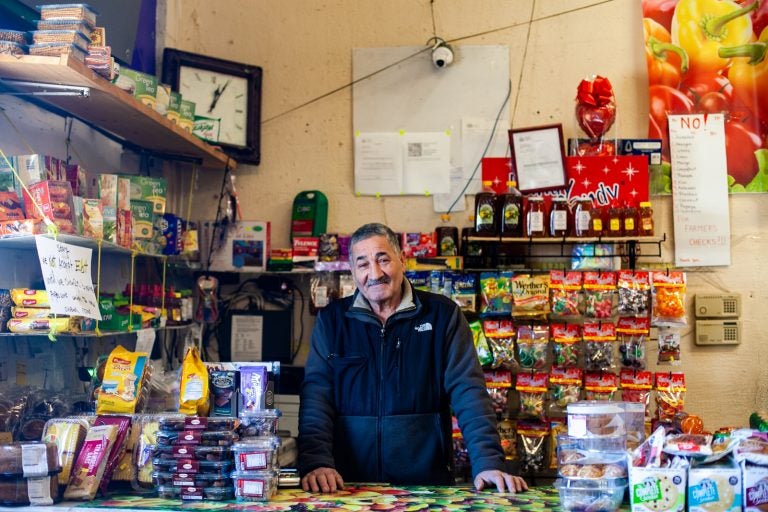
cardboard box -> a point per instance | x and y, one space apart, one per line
245 248
418 245
715 487
37 168
657 489
305 249
155 190
141 219
162 99
174 105
207 128
92 219
124 234
141 85
187 115
754 487
55 200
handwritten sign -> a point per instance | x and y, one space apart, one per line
700 190
67 275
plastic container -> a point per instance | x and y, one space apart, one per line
259 423
177 423
214 468
180 479
191 493
582 218
201 453
558 217
196 437
257 453
592 495
634 422
254 485
17 490
14 36
595 419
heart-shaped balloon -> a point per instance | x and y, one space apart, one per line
595 106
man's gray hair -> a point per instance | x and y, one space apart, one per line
374 229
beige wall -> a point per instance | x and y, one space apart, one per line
305 48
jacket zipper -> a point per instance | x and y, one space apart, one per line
380 392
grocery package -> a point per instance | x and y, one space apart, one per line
90 464
121 387
68 435
193 391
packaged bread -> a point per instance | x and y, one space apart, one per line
42 490
148 426
91 462
21 312
43 325
28 459
68 434
26 297
123 381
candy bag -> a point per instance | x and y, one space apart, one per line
532 437
532 388
498 384
600 385
668 290
632 335
501 339
566 388
481 344
669 345
495 296
599 339
599 291
636 387
634 293
670 394
532 343
567 344
530 294
564 294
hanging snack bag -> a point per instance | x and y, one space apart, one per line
634 293
532 387
532 345
564 288
481 344
636 387
567 344
670 394
532 438
90 463
565 388
599 291
632 333
495 298
193 389
464 294
669 345
600 386
668 290
599 338
530 295
508 437
123 381
501 339
498 383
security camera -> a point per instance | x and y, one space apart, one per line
442 55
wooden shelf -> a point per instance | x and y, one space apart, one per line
109 108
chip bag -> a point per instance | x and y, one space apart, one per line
193 392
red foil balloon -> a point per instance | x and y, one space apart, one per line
595 106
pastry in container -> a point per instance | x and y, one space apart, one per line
195 493
256 453
178 423
11 48
201 453
68 434
80 12
259 423
595 419
57 49
13 36
76 25
181 479
147 425
196 437
209 467
36 491
28 459
61 36
591 495
254 485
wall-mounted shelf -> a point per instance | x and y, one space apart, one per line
109 108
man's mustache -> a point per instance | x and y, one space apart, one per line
374 282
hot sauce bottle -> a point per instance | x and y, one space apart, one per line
511 211
534 219
613 219
597 221
558 217
582 221
630 220
645 219
486 210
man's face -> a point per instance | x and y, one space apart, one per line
377 269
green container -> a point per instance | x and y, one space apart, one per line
309 215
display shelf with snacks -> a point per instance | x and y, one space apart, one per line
106 107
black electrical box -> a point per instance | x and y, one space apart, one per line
272 330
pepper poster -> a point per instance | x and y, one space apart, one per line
710 56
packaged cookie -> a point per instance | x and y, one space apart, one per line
90 463
116 451
68 434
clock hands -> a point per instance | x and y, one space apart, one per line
217 94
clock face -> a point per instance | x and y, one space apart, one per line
218 95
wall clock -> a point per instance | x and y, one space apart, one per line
230 91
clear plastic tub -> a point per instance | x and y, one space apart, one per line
61 36
216 468
595 419
180 479
591 495
14 36
176 423
196 437
256 453
195 493
201 453
591 458
259 423
254 485
11 48
56 49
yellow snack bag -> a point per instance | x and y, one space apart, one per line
193 391
121 386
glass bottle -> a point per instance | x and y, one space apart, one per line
486 210
645 219
614 219
558 217
511 211
534 219
630 220
582 225
447 240
597 221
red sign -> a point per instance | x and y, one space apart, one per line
498 170
606 179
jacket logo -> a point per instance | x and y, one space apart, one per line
424 327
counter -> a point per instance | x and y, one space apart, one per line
358 498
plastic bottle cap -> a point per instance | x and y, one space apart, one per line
487 182
645 204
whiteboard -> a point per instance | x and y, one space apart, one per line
414 96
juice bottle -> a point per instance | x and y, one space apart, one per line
558 217
582 222
534 219
614 220
511 211
645 219
486 210
630 220
447 240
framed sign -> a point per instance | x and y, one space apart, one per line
224 90
538 157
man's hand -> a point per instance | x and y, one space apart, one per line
323 480
502 480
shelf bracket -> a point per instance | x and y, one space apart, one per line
46 89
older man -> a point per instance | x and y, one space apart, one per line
385 368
